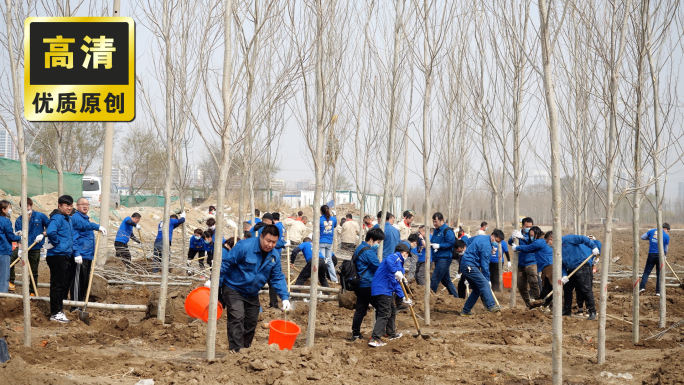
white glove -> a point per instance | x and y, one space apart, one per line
286 305
399 276
509 264
78 259
458 275
287 244
137 226
103 230
514 246
20 252
182 215
565 279
208 283
408 301
517 234
435 246
48 245
18 233
595 251
593 238
39 237
490 283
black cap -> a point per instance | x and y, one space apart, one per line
267 216
402 247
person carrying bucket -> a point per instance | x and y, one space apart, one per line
244 271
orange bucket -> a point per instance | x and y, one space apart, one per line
283 333
197 304
508 279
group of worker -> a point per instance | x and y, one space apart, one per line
252 262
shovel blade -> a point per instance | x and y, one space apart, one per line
423 336
84 316
681 285
537 303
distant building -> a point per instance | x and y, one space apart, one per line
278 184
7 148
119 176
195 176
539 178
305 185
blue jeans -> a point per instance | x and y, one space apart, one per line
478 286
4 273
326 249
441 275
652 261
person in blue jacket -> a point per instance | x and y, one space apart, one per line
541 247
7 236
573 257
527 269
38 222
475 269
208 245
244 271
384 288
653 259
578 294
442 242
328 223
419 251
306 248
196 248
392 235
269 219
84 249
497 255
367 263
174 221
60 257
123 235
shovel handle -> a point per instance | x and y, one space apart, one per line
413 314
92 271
672 270
18 259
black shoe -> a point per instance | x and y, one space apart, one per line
580 312
567 313
592 316
356 337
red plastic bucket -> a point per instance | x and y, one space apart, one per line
284 333
197 304
508 279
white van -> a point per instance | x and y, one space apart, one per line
92 190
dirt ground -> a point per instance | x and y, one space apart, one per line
510 347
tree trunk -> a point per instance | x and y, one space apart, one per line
21 149
552 110
319 164
223 176
170 146
58 159
610 176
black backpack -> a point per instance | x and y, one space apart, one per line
349 277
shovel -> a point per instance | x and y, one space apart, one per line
19 258
413 314
83 315
539 302
675 274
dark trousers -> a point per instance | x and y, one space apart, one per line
306 273
582 282
122 252
363 299
494 276
83 274
547 287
420 273
441 275
527 275
157 259
243 315
461 287
192 253
34 261
386 314
652 261
60 267
580 297
210 257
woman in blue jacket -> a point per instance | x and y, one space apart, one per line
543 253
328 224
7 236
